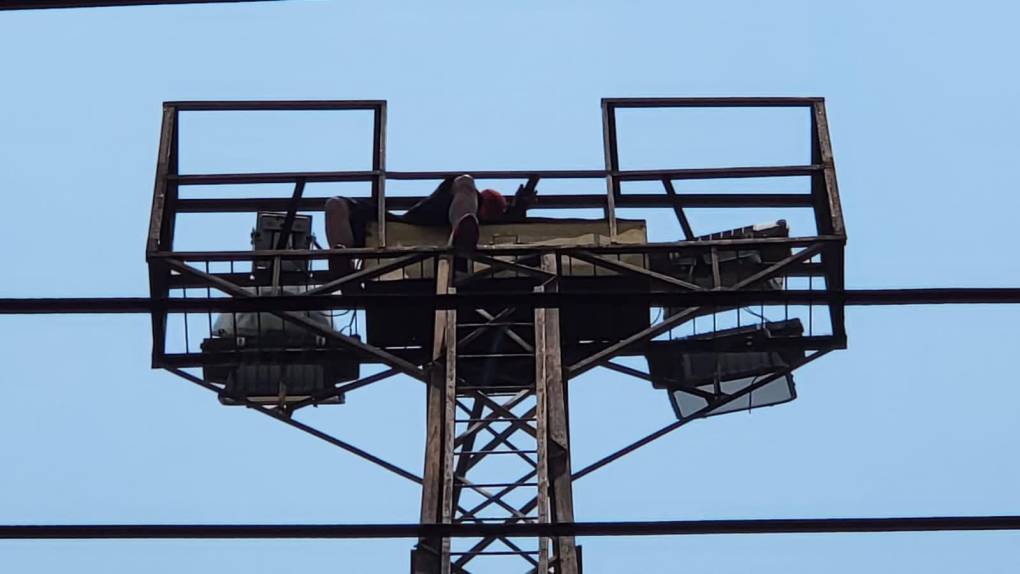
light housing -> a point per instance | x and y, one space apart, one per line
692 379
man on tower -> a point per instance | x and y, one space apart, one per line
455 202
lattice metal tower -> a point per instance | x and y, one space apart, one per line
496 333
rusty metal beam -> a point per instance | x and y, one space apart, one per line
551 201
725 102
286 419
687 247
711 406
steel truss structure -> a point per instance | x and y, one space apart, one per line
529 411
533 411
515 299
515 307
170 269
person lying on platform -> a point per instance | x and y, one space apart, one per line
455 202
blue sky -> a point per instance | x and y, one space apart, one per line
918 417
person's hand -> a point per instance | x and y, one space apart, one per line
524 198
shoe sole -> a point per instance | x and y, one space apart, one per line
465 235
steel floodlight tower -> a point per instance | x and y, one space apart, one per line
496 363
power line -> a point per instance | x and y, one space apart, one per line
463 530
852 297
43 4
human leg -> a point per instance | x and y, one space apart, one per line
463 213
453 203
347 220
339 231
434 209
463 199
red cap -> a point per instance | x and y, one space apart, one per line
491 205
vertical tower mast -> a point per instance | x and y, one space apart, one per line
497 453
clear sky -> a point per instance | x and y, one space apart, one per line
918 417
